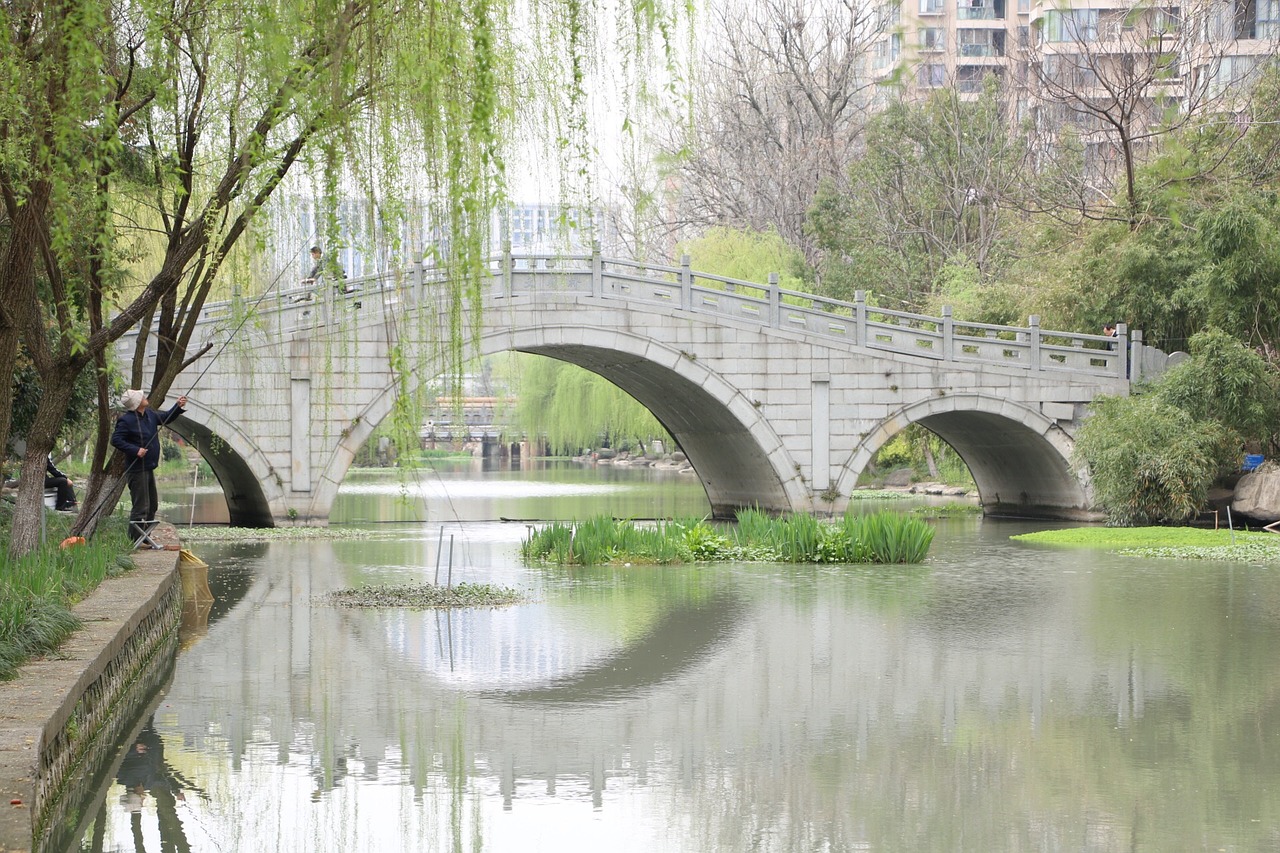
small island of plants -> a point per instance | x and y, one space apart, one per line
883 537
1187 543
426 596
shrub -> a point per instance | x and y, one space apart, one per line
1148 461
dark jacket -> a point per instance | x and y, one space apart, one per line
50 472
142 429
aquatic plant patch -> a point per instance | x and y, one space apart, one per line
269 534
1177 542
427 596
884 537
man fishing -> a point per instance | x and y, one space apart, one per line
137 436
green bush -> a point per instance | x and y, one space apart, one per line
1227 382
1149 461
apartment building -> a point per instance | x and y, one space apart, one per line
1181 51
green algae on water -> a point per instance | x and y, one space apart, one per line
1186 543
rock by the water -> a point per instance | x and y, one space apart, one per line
899 478
1258 494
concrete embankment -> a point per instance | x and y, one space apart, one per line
63 713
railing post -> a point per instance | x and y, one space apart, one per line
1034 322
775 298
417 279
1122 350
948 334
597 270
686 283
506 268
860 317
1136 356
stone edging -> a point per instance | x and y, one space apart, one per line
61 709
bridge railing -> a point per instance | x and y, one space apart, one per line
681 288
857 322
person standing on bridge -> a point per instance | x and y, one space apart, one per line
137 436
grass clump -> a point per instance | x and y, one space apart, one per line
1191 543
884 537
38 590
427 596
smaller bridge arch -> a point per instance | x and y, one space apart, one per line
239 465
1019 458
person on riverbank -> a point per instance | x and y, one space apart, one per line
137 436
55 479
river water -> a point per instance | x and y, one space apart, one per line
998 697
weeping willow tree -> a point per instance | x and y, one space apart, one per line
131 123
576 409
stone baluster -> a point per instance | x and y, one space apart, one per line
1034 321
775 299
686 283
597 270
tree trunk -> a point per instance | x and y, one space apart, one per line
17 293
24 536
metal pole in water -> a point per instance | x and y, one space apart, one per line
439 548
194 480
449 585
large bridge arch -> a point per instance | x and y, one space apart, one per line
1019 458
739 459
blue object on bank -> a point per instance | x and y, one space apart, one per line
1251 461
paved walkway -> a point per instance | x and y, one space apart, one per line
37 704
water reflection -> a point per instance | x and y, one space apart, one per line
996 698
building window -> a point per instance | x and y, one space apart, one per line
980 10
931 7
969 77
1268 26
933 39
931 75
1078 25
981 42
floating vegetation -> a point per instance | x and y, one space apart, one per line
948 510
427 596
269 534
883 537
879 495
1184 543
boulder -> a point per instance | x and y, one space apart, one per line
899 478
1257 494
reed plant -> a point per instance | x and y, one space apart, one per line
889 537
885 537
38 590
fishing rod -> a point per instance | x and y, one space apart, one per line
113 493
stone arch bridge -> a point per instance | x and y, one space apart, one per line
779 399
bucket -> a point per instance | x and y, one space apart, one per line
1251 461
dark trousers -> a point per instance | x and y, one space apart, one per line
66 494
142 491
